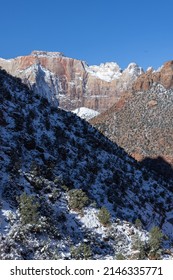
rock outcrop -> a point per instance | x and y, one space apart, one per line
163 76
71 82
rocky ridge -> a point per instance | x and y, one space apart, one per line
71 82
141 123
163 76
58 174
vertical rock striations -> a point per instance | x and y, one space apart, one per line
71 82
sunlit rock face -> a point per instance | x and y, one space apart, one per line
71 83
163 76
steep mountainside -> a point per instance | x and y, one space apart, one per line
163 76
72 82
142 124
68 192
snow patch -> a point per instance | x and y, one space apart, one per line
105 71
45 53
85 113
134 69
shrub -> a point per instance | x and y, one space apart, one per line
49 251
77 199
55 194
82 252
104 216
120 256
138 224
28 209
139 245
155 241
35 169
65 188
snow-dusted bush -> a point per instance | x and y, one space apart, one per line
82 252
139 247
77 199
104 216
155 241
120 256
138 223
28 209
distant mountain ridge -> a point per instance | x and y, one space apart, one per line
71 83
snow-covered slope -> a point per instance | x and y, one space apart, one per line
58 176
85 113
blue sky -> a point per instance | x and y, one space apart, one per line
95 31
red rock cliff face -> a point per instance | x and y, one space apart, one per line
71 81
163 76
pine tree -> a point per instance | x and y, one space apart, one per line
28 209
155 241
120 256
78 199
138 223
104 216
82 252
139 245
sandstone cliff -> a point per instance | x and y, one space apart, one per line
71 82
163 76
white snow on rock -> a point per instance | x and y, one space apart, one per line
45 53
150 68
159 69
105 71
134 69
110 71
85 113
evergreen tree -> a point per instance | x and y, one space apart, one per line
155 241
78 199
28 209
139 245
120 256
104 216
138 223
82 252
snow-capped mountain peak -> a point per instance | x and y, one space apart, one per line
134 69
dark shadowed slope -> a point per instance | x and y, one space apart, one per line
56 172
